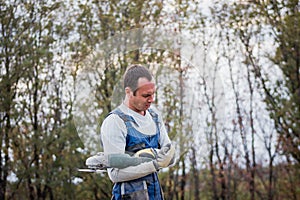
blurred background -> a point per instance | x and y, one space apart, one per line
234 115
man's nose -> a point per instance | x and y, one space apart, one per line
151 98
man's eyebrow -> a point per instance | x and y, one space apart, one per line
134 91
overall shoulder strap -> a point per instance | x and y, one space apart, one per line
154 115
155 119
126 118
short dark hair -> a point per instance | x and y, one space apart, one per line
133 74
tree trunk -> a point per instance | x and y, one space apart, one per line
195 175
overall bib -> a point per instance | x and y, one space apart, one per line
147 187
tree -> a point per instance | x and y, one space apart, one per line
278 20
38 133
18 39
283 100
284 105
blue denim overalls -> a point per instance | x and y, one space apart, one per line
147 187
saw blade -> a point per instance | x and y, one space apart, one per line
92 170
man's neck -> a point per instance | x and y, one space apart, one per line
141 112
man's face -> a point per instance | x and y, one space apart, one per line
144 96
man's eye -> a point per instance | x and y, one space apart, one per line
146 95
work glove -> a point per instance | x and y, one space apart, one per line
119 160
146 153
98 161
164 156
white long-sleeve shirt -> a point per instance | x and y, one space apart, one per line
113 137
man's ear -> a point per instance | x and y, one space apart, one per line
127 90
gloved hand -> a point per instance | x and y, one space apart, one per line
164 156
119 160
147 153
98 161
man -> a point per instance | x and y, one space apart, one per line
134 126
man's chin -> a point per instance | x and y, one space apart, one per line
147 106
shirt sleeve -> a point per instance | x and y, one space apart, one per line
164 137
131 173
113 135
